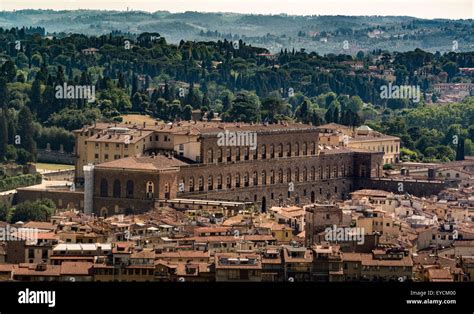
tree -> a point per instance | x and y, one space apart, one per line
245 108
187 112
273 109
40 210
8 71
4 212
35 96
3 118
460 149
3 135
304 111
451 68
26 132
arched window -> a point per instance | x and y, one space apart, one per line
280 175
305 149
201 183
129 192
264 177
264 152
104 188
219 155
246 179
280 150
255 152
272 177
210 156
334 171
167 191
237 180
237 153
191 184
229 181
297 149
305 174
246 153
272 151
255 178
313 173
313 148
343 170
288 149
288 175
297 174
320 172
150 189
117 188
210 183
229 154
219 182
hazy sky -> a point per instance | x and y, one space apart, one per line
455 9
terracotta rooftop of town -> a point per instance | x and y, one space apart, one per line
26 269
368 192
39 225
132 136
440 275
183 254
158 162
202 127
368 260
76 268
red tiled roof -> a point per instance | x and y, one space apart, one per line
142 163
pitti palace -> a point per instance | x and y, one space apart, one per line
128 168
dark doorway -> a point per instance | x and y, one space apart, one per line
313 198
264 204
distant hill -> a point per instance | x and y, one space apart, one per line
323 34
